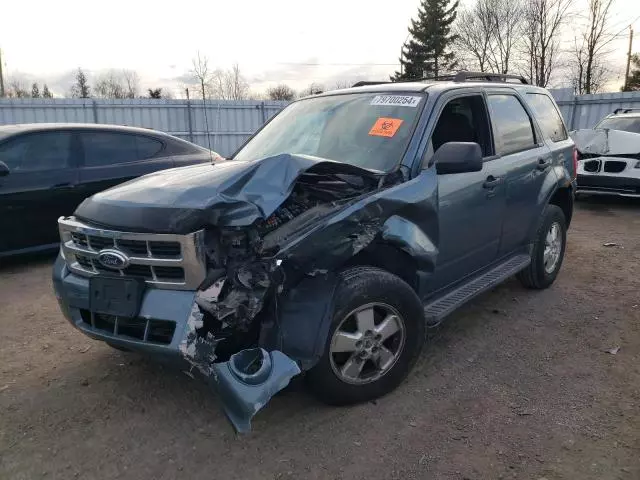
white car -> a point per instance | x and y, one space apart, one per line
609 155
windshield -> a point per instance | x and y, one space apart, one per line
367 130
626 124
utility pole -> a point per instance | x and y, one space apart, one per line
1 77
626 75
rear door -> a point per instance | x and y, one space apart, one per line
39 188
526 161
110 158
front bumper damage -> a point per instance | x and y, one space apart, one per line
245 383
275 235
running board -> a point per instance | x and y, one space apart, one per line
436 310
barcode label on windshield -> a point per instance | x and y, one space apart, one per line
396 100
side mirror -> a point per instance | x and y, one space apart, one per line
4 169
458 157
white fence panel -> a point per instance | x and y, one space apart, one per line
229 123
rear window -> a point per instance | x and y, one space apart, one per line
626 124
548 116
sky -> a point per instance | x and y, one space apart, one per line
292 41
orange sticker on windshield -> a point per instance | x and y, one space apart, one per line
385 127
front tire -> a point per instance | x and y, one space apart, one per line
376 335
548 250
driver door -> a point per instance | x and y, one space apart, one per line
472 204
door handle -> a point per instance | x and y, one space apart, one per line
543 164
492 182
63 186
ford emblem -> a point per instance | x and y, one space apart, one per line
113 259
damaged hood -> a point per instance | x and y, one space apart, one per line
606 142
230 193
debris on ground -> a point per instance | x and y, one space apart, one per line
613 351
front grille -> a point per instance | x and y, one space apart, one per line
163 260
612 166
592 166
147 330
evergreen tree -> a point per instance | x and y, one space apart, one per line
35 91
81 88
633 82
427 53
45 92
155 92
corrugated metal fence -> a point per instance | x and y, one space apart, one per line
584 111
229 123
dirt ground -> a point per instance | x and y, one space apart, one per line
518 384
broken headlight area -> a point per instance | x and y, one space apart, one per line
244 279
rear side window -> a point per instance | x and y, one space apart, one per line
548 116
111 148
38 151
511 124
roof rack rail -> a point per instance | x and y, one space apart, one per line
366 83
625 110
461 76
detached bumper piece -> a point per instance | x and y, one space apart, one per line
248 381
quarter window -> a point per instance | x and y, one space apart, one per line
548 117
38 151
511 123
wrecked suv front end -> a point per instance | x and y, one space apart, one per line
230 269
202 299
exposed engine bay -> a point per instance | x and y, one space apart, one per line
242 269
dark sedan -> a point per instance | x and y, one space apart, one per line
46 170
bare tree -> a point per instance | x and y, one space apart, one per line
109 84
313 89
508 25
340 84
17 88
486 34
543 20
237 87
474 32
589 70
131 83
203 74
281 92
229 84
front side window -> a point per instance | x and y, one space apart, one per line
463 119
511 123
548 116
626 124
38 151
368 130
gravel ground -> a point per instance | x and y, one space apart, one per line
518 384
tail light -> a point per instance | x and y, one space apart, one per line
575 162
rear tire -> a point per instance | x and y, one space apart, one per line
548 250
376 335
